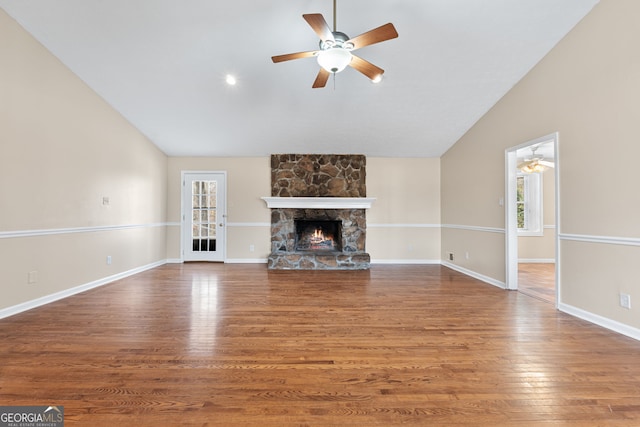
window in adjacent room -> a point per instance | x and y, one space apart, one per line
529 204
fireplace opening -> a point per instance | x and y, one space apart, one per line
318 235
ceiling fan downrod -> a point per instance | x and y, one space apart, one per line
335 26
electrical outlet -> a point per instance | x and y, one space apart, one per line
466 255
450 256
625 301
32 277
252 248
108 259
105 201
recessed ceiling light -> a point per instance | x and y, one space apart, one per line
231 80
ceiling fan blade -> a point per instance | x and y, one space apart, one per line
366 67
290 56
319 25
377 35
321 78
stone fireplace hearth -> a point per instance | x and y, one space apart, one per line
318 216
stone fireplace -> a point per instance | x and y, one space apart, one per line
318 212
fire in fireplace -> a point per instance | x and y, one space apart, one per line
318 235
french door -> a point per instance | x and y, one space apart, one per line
203 216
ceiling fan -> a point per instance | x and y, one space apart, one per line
535 163
336 49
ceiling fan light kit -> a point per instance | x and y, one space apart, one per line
335 59
536 164
336 47
533 167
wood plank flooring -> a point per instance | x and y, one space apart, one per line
538 280
238 345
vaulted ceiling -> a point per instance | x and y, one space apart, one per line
162 64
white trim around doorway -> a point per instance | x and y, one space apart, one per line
511 228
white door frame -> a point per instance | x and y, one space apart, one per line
511 251
221 223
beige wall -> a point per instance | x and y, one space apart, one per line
586 88
248 218
404 221
63 149
403 224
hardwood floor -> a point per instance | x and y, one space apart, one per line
237 345
538 280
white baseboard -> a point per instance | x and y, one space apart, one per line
245 261
19 308
405 261
475 275
612 325
226 261
537 260
377 261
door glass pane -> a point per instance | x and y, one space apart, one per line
203 214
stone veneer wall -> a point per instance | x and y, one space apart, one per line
318 175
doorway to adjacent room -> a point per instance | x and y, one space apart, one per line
532 213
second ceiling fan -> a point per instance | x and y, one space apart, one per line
336 48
